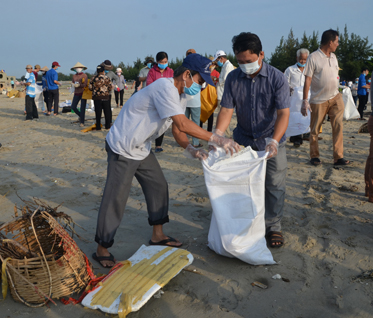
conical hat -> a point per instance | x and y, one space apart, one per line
78 65
45 69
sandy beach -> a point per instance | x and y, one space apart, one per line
327 224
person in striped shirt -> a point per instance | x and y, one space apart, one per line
31 110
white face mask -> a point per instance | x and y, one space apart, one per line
78 69
250 68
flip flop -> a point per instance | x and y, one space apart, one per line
164 242
99 259
315 161
274 237
342 162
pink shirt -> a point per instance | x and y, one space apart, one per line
155 74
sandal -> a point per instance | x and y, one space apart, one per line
315 161
342 162
198 146
99 259
165 242
274 237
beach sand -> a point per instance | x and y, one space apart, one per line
327 224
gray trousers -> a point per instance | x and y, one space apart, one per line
275 187
120 173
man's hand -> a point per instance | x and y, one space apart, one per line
271 147
227 144
305 107
191 152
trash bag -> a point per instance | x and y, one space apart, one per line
350 108
298 124
236 187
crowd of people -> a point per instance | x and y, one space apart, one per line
256 92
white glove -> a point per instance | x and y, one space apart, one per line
77 85
191 153
219 133
271 147
305 107
228 145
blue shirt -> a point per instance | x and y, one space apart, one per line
30 89
362 82
51 77
256 101
44 81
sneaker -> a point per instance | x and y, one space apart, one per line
157 150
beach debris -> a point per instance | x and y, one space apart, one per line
277 276
363 129
363 276
158 294
352 188
286 280
192 271
259 284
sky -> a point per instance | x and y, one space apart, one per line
91 31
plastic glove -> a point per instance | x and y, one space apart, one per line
227 144
219 133
76 85
191 153
271 147
305 107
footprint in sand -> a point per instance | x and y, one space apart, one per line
229 295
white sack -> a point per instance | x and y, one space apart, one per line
298 124
350 108
236 189
39 98
72 89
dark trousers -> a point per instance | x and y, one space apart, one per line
102 105
117 95
159 140
298 138
53 96
210 123
355 99
46 98
120 173
74 107
362 103
369 164
31 109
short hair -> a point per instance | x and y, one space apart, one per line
161 55
364 68
181 69
246 41
302 51
329 35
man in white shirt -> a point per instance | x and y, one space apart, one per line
226 67
322 77
295 77
143 118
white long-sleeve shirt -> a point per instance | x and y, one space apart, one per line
294 76
225 70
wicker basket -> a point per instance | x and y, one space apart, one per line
42 259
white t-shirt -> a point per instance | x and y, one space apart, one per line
193 101
144 117
225 70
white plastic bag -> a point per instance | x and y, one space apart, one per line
298 124
350 108
72 89
236 190
39 98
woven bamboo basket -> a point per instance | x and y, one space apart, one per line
42 259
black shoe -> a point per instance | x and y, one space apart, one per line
297 144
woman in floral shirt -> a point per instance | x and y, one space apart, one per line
101 86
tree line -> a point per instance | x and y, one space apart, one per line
353 53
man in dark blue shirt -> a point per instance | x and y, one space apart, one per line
362 91
260 95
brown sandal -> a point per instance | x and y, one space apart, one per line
274 237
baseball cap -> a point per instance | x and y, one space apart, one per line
56 64
100 68
190 51
28 66
200 64
218 54
37 66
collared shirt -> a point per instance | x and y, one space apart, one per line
324 72
294 76
225 70
256 101
144 73
51 77
144 117
362 82
30 90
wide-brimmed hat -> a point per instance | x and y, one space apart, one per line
107 64
37 66
78 65
44 69
119 70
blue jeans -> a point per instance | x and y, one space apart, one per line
74 107
195 113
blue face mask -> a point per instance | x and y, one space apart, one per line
369 81
56 69
162 66
356 82
149 65
194 89
301 65
106 71
220 64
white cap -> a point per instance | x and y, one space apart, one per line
218 54
119 70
